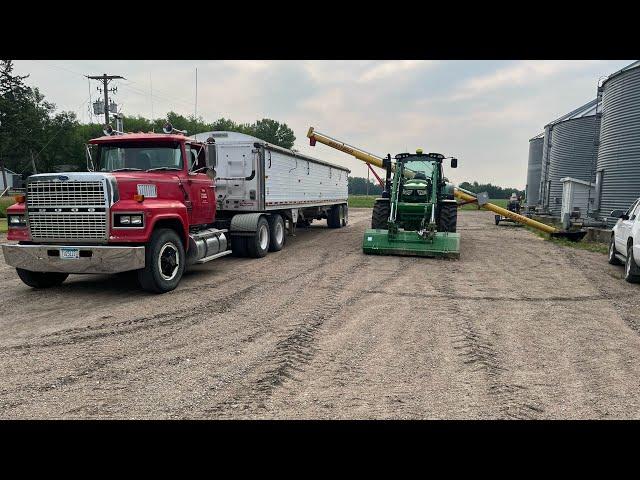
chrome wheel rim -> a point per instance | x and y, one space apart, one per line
627 266
279 233
168 261
611 251
263 237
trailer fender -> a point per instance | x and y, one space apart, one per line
244 223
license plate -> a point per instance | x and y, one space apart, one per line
69 253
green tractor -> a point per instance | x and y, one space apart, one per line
417 213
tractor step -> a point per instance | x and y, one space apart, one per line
409 243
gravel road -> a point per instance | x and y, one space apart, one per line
516 328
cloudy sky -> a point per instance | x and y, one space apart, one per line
482 112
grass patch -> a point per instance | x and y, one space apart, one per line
4 203
362 201
3 225
581 245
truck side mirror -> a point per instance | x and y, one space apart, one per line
454 163
212 160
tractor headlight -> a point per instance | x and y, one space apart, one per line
16 221
421 192
128 220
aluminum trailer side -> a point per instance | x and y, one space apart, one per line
253 176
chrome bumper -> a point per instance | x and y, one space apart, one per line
45 258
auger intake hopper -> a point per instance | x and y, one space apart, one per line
409 243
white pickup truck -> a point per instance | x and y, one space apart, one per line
624 247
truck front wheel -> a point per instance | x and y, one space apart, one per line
41 279
258 244
164 262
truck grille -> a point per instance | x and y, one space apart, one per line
65 194
51 215
72 226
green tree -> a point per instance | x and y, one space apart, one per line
358 186
273 132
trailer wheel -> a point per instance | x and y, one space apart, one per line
631 269
448 218
41 279
613 260
277 237
497 218
380 214
258 244
345 214
334 219
164 262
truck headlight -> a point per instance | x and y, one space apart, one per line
16 221
135 220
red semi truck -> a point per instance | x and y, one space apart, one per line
157 203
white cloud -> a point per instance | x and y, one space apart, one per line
519 74
383 70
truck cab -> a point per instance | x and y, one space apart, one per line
146 203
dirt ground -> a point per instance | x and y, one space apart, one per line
516 328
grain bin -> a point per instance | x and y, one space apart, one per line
618 165
534 170
571 150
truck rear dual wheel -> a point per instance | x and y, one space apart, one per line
277 235
380 214
256 245
41 279
164 262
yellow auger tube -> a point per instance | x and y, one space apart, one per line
343 147
507 213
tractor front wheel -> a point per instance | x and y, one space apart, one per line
380 215
448 218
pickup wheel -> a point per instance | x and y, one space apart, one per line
613 260
164 262
258 244
277 237
41 279
631 269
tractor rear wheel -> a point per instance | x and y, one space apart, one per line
448 218
380 215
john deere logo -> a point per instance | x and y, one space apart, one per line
63 178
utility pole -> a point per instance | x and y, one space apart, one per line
105 79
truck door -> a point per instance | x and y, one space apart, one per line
200 186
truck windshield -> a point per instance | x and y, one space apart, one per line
113 157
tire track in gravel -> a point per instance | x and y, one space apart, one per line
479 354
287 359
